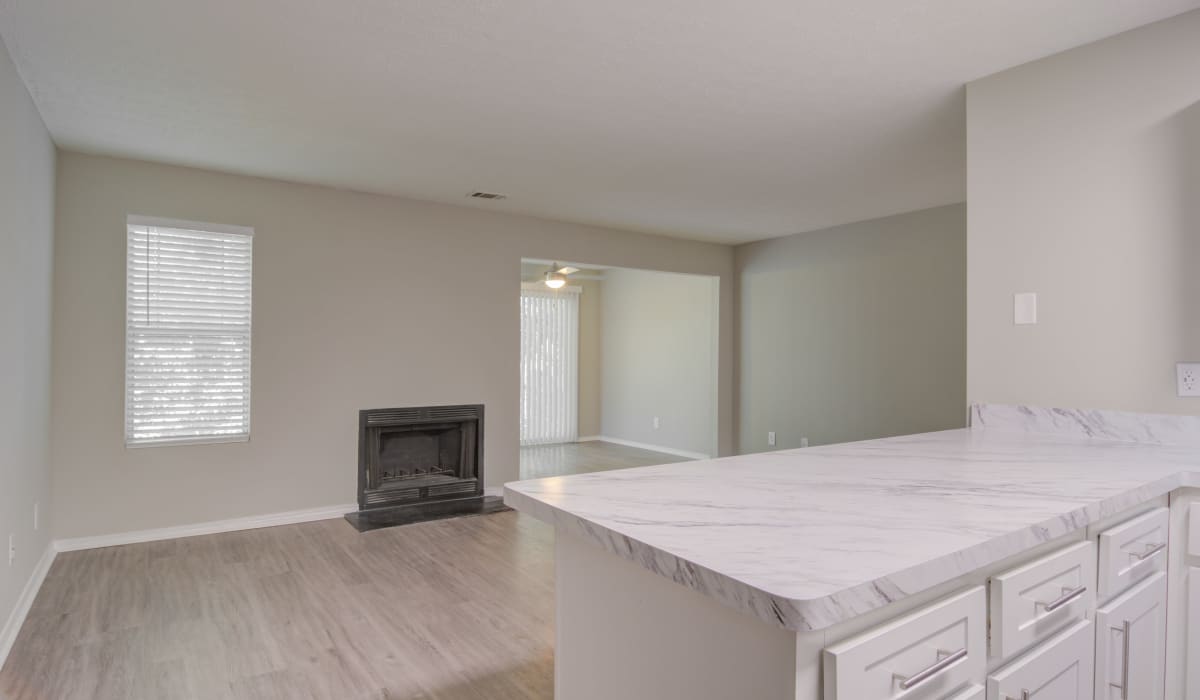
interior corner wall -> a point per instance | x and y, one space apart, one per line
27 162
659 359
360 301
853 332
1083 181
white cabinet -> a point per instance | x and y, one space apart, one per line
1058 669
1193 632
975 692
1130 643
1048 640
1133 551
1183 597
928 654
1033 601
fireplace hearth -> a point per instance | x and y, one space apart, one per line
420 463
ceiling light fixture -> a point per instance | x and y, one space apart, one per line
555 279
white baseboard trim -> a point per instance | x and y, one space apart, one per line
8 633
209 528
646 446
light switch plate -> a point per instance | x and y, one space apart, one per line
1025 308
1187 379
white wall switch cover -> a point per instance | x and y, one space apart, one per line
771 438
1187 377
804 442
1025 308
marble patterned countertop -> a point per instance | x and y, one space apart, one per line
808 538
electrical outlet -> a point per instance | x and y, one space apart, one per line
12 549
1187 378
771 439
656 423
804 442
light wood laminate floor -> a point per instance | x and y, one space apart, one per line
456 609
539 461
449 610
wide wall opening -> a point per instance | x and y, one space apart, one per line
618 367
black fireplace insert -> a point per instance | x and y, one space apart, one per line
410 456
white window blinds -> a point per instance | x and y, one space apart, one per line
549 366
187 332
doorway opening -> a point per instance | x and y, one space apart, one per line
618 367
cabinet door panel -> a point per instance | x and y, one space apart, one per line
1058 669
1130 640
1193 629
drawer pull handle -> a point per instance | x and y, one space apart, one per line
941 665
1151 551
1068 595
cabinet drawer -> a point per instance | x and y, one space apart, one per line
1059 669
929 654
1133 551
1036 600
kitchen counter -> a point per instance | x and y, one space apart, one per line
805 539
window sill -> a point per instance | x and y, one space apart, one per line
172 442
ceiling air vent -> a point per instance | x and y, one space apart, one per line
488 195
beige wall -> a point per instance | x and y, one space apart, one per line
359 301
853 332
1084 187
591 331
26 245
659 359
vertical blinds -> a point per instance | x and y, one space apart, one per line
187 338
549 366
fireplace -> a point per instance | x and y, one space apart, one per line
420 455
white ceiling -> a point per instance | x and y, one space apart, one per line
723 120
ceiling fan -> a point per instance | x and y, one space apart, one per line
556 276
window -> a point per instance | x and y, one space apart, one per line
187 332
549 365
